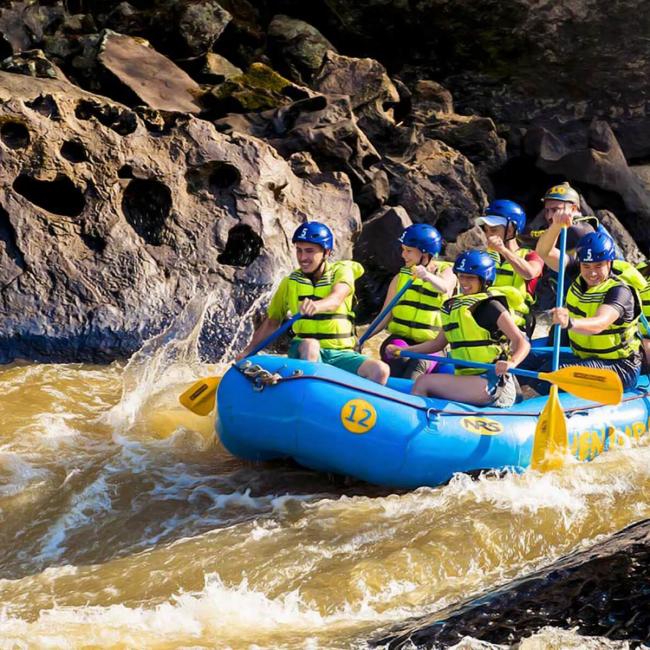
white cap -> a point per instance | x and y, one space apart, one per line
491 220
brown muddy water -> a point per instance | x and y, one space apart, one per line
124 524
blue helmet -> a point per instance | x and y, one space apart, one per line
423 237
504 212
596 247
314 232
475 262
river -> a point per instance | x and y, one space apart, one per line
124 524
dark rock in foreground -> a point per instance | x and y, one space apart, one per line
603 591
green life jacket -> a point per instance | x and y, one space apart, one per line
507 277
417 314
615 342
467 339
334 330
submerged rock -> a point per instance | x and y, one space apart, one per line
602 591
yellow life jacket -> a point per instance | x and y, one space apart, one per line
507 277
417 314
467 339
334 330
615 342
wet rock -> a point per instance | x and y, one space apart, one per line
107 230
150 76
600 592
298 47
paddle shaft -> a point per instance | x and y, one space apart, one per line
371 329
271 337
466 364
559 299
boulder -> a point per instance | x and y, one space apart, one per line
33 63
326 128
372 94
107 231
150 76
438 185
297 47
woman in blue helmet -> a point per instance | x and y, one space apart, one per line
516 266
602 313
477 326
322 291
416 317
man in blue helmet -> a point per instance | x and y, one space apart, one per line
602 312
477 326
516 266
322 291
416 317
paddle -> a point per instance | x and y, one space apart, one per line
551 442
200 396
594 384
371 328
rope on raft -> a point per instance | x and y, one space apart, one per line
262 377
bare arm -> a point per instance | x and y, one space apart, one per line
443 282
431 346
528 270
605 316
546 246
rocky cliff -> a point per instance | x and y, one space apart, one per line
153 151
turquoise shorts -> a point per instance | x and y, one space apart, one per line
347 359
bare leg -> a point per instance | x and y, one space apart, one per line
309 350
376 371
460 388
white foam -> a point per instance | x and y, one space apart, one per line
17 474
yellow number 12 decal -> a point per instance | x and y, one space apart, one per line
358 416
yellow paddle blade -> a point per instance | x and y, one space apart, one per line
551 443
594 384
200 396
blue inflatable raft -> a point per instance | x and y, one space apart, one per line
330 420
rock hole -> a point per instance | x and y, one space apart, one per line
223 176
242 248
5 48
146 205
94 242
15 135
125 171
8 237
369 160
45 105
74 151
121 121
60 196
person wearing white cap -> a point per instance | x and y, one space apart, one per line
516 266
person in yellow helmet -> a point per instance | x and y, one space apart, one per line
416 316
322 292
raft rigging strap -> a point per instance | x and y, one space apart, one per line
262 378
